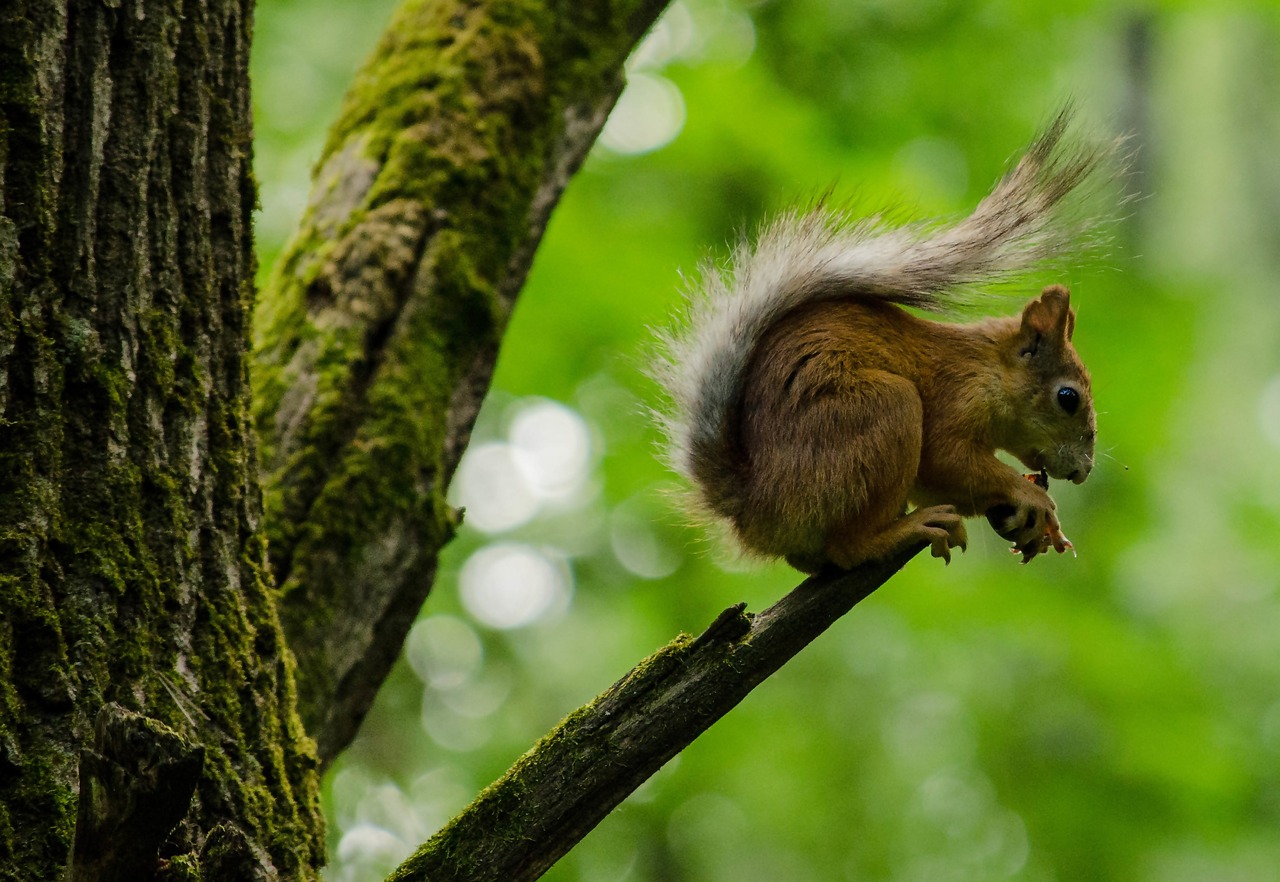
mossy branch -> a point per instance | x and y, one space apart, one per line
377 334
566 784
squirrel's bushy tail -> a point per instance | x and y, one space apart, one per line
822 254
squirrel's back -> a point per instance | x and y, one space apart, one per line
823 254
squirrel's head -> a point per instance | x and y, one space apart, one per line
1054 425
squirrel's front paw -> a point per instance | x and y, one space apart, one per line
1031 524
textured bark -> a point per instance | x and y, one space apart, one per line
565 785
378 332
136 783
132 564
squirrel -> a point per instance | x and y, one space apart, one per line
810 407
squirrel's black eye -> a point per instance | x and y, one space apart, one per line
1069 399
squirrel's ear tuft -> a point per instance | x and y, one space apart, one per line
1047 320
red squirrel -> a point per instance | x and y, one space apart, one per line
809 407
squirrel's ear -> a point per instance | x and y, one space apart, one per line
1047 321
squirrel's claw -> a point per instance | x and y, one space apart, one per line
1016 519
1053 538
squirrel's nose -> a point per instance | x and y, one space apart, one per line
1078 476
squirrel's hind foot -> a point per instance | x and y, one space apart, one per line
939 526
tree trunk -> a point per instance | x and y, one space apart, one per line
132 560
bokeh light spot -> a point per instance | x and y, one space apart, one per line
551 444
638 547
510 585
491 486
1269 410
444 651
649 114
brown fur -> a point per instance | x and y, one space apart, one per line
852 408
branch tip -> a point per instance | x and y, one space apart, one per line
730 626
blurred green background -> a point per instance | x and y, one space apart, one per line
1114 716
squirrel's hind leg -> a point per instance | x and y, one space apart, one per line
834 461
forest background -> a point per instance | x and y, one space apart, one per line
1110 716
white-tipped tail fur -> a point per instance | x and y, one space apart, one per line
823 254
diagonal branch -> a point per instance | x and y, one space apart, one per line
377 334
565 785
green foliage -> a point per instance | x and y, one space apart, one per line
1112 716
